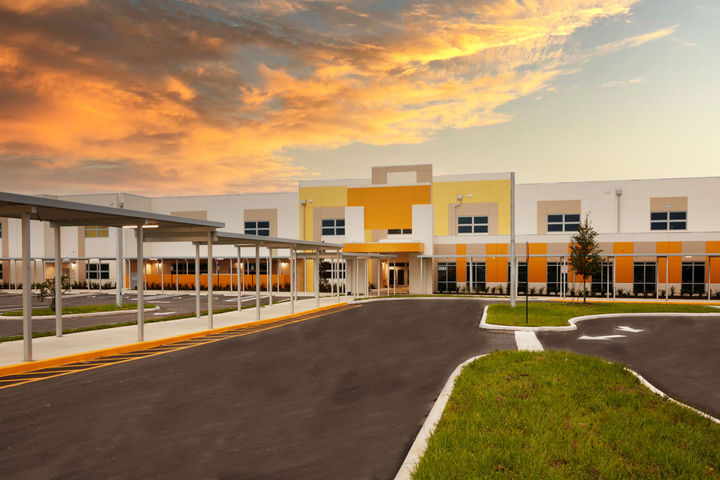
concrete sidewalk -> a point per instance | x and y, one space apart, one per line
11 353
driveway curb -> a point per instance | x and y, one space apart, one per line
93 354
575 320
419 446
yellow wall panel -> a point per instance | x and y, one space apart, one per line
388 207
483 191
335 196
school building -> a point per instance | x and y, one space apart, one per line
441 233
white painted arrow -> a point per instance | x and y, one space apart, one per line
601 337
628 329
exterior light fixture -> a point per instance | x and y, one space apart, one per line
144 226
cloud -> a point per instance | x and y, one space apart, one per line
635 41
194 96
623 83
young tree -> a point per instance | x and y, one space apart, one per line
47 289
585 253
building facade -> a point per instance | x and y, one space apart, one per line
444 234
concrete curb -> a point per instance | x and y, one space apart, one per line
78 315
575 320
130 347
419 446
388 299
417 450
656 390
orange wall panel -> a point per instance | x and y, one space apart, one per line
623 265
675 269
537 266
388 207
496 268
461 249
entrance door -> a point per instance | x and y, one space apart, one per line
401 276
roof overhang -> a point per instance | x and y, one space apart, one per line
384 247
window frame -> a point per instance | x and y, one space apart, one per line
97 231
97 271
255 227
663 221
399 231
477 225
332 227
562 224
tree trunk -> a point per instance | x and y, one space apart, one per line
584 291
52 304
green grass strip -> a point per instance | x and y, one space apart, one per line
559 415
79 309
555 314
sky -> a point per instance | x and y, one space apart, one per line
171 97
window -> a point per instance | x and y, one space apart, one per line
93 231
478 276
400 231
603 281
569 222
644 277
184 268
250 267
446 274
333 226
97 271
555 277
261 228
0 230
522 276
331 269
668 221
693 278
1 272
472 224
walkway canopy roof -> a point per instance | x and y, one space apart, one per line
243 240
64 213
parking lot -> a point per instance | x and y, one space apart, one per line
169 304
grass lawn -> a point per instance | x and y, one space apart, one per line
80 309
555 314
562 415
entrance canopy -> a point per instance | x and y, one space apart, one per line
61 213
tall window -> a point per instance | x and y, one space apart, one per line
693 278
644 277
97 271
250 267
0 230
569 222
472 224
260 227
478 275
184 268
333 226
399 231
603 281
522 276
668 221
93 231
333 270
446 274
555 277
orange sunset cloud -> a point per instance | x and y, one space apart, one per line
207 96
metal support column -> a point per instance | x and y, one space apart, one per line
316 275
197 280
58 284
337 264
709 283
162 275
239 294
140 285
357 279
422 276
257 282
394 277
118 266
269 276
27 289
211 272
667 277
513 264
292 280
614 276
177 275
